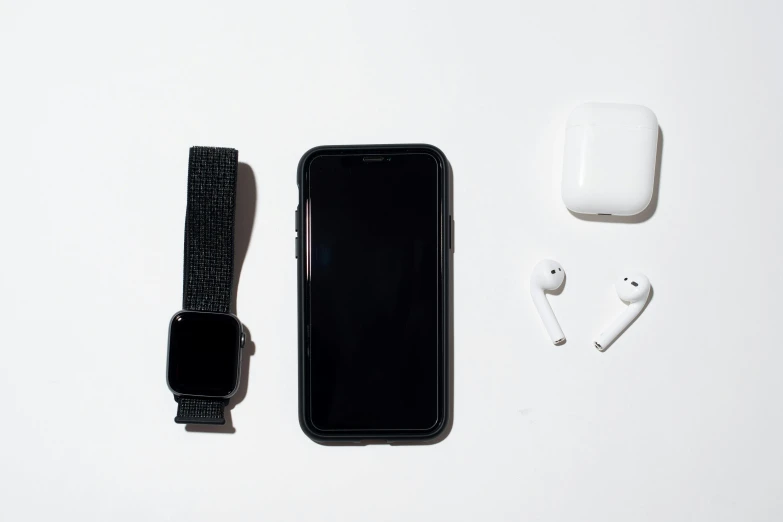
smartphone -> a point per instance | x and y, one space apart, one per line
374 250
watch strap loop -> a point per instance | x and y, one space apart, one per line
200 410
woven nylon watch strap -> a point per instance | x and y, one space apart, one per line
209 255
200 410
209 229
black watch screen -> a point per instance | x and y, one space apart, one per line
204 354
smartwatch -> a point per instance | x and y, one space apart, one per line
205 339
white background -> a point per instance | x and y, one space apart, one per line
680 420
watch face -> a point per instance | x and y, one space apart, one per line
204 354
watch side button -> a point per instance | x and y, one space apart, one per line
242 340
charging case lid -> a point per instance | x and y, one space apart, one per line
609 162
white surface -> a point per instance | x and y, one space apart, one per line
681 419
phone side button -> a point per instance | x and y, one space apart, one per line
296 220
451 233
296 247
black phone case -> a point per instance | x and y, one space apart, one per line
445 385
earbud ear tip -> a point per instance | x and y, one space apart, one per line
632 288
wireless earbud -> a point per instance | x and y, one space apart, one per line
634 290
547 275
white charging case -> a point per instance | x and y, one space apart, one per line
609 163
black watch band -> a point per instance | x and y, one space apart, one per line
209 230
200 410
209 255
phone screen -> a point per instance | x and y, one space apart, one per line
374 286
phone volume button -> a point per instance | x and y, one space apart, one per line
451 233
296 247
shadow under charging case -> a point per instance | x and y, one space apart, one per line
609 163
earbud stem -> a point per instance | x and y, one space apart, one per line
547 316
623 321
